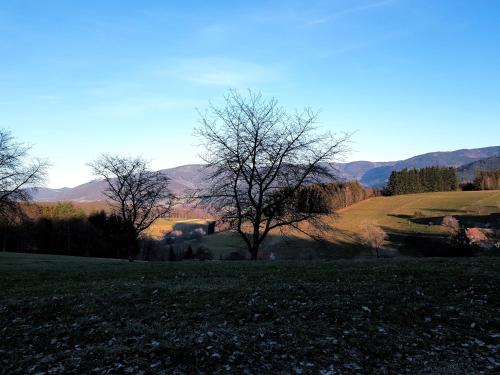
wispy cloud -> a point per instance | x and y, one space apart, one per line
352 10
224 72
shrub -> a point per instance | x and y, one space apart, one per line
175 234
373 236
468 186
197 234
418 214
451 225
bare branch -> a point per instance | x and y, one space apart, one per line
259 157
139 195
19 175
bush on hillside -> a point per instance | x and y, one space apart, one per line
373 236
451 225
197 234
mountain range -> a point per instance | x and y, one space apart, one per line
374 174
469 171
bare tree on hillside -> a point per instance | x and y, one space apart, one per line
373 236
138 195
259 157
19 175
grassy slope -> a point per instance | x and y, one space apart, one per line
394 214
163 226
75 315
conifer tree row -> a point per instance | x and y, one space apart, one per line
326 198
410 181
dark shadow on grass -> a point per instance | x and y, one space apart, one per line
443 210
427 244
285 247
492 220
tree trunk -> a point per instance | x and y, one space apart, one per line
133 246
254 250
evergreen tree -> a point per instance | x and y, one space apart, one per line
410 181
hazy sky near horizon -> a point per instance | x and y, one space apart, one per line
78 78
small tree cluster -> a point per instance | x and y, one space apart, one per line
487 180
326 198
64 229
410 181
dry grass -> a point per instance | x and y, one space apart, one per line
164 226
70 315
411 215
397 213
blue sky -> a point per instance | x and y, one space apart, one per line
78 78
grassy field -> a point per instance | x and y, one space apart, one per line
62 315
414 212
402 217
163 226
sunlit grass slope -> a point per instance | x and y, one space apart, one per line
409 215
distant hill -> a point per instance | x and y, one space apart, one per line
469 171
368 173
379 176
357 169
182 178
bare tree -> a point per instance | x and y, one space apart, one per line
373 236
452 225
138 195
19 175
259 157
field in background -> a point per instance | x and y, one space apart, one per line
403 217
417 213
181 218
163 226
62 315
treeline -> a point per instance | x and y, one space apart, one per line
326 198
487 180
64 229
410 181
